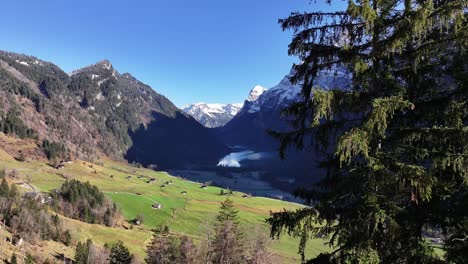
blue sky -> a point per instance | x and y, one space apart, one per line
188 50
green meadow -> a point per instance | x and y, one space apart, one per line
186 207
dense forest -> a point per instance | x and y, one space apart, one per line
84 202
11 124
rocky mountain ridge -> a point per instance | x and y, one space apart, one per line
212 115
97 111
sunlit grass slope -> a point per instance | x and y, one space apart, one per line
185 206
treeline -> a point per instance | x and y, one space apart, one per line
224 241
20 88
53 150
84 202
28 218
115 253
12 124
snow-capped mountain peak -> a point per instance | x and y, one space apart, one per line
255 93
285 93
212 115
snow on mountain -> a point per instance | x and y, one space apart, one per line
249 127
285 93
255 93
212 115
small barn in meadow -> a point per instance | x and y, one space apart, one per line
151 181
156 206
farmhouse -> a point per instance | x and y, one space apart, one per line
156 206
151 181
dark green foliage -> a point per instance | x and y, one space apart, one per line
228 212
13 259
19 88
50 86
29 259
161 229
53 150
82 252
4 188
395 139
66 238
84 202
13 125
228 244
119 254
225 192
27 217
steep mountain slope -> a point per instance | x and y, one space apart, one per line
262 111
93 110
212 115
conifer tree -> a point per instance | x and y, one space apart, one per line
4 188
82 252
395 139
227 212
228 239
119 254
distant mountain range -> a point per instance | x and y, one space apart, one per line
96 110
218 115
212 115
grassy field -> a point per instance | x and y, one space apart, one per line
183 213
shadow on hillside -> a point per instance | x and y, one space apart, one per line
174 142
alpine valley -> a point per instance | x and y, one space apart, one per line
97 128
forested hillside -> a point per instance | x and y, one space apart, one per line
94 111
